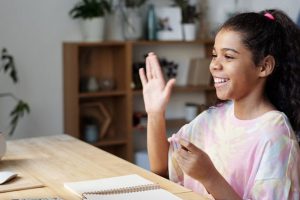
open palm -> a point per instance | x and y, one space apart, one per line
155 91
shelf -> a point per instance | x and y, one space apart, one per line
142 43
176 42
108 110
184 89
96 44
87 95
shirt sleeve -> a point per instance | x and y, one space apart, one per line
278 175
187 132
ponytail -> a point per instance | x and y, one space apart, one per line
286 97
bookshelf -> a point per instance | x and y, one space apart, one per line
113 108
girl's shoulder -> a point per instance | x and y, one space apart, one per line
277 127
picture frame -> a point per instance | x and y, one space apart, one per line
169 23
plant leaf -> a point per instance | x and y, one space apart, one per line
9 65
20 109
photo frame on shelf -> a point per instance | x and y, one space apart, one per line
169 23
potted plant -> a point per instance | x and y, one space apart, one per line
189 16
133 26
21 107
91 13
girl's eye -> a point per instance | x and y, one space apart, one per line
213 55
228 57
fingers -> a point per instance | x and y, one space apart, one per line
169 87
148 69
143 77
184 157
183 153
154 66
187 145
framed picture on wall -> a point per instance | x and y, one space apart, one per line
169 23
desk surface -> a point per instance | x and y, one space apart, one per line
57 159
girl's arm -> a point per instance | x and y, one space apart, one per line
156 95
197 164
157 144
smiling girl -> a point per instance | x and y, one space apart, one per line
244 147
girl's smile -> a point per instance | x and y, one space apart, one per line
219 82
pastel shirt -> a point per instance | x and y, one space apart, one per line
259 158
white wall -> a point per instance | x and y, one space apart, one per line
33 31
218 10
291 7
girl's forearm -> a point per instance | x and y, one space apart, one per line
219 188
157 144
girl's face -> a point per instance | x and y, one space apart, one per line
234 72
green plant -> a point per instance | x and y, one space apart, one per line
188 12
87 9
134 3
8 66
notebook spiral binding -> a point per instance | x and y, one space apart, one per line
139 188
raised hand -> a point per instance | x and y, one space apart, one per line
155 91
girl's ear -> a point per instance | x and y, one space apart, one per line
266 66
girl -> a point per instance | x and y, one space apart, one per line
244 147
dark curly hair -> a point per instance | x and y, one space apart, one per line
279 37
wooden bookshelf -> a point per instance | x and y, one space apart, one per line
109 108
110 60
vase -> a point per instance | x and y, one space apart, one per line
114 29
189 31
151 23
92 29
2 145
91 133
132 26
92 84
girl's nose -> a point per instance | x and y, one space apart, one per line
215 65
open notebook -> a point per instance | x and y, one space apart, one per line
129 187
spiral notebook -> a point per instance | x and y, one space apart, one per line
129 187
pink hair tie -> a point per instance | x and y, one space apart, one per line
269 15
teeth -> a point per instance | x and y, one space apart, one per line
220 80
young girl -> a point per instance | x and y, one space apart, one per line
245 147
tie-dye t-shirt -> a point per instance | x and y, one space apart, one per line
259 158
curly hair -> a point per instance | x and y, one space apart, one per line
279 37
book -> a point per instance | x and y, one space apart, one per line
198 73
129 187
